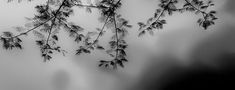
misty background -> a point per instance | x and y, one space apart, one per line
155 62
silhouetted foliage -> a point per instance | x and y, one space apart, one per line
169 7
52 17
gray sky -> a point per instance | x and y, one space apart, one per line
175 45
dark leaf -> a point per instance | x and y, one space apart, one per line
100 47
55 37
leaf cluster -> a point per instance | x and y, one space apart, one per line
9 42
169 7
52 17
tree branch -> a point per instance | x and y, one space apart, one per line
50 30
89 6
195 7
118 2
69 27
106 21
26 32
102 29
51 27
202 12
159 16
53 21
116 34
100 33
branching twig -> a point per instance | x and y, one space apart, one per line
202 12
51 27
102 29
53 21
100 33
68 26
25 33
159 16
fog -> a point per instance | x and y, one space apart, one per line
182 56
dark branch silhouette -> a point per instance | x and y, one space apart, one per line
48 20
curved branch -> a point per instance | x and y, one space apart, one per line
25 33
69 26
100 33
202 12
159 16
102 29
195 7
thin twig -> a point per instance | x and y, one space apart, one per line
160 15
51 27
69 27
118 2
89 6
102 29
194 7
25 33
116 34
202 12
53 21
50 30
100 33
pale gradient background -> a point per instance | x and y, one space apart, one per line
180 44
